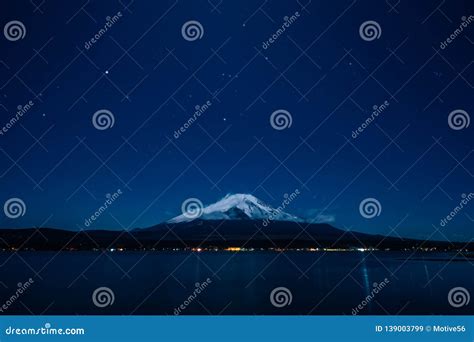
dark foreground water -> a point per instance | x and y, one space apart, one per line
241 283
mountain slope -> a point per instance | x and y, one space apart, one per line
238 207
214 234
238 220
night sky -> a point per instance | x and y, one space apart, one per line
319 70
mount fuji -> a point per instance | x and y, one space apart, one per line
237 220
238 207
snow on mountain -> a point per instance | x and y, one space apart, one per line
238 207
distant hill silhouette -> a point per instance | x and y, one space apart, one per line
213 233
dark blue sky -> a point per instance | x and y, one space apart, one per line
320 70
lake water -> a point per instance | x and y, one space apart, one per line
241 283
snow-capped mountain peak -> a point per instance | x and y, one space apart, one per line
237 207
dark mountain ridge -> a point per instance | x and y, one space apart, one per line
219 234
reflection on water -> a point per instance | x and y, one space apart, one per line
158 282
